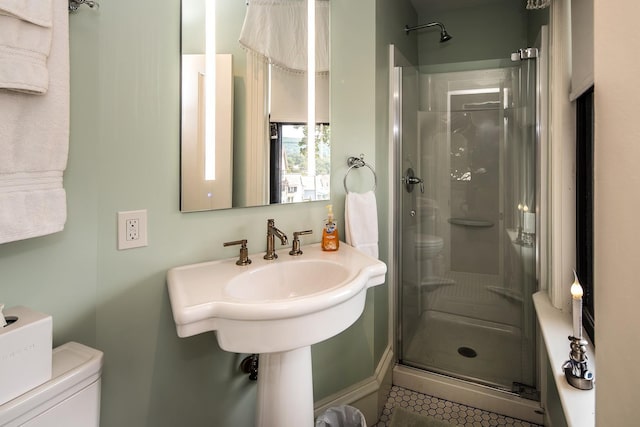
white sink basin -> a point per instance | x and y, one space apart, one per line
288 280
273 306
277 308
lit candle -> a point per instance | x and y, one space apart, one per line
529 223
520 216
576 294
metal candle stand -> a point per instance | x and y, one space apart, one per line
528 239
575 369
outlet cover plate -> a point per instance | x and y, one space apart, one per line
140 216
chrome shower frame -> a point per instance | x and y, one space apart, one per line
473 394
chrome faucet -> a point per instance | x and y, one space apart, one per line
295 249
244 252
273 232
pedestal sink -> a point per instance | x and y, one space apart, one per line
278 309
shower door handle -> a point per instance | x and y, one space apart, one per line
410 180
413 180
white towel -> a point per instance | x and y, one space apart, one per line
38 12
34 143
361 222
25 45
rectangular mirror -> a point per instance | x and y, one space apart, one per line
251 99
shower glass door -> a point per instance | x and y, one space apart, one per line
467 219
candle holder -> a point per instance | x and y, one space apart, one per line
528 239
575 369
519 237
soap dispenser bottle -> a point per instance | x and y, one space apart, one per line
330 237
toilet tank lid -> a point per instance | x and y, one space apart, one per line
74 367
76 360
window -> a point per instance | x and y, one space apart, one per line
296 174
584 204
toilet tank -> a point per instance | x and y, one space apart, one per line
70 399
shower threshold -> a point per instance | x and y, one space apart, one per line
468 393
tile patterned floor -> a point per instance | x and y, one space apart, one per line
454 413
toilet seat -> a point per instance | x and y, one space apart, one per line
428 241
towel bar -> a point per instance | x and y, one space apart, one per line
358 162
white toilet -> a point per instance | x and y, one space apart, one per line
427 248
427 244
70 399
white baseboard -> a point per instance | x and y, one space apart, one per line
368 395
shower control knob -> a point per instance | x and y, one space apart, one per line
410 180
414 180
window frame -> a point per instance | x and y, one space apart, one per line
585 130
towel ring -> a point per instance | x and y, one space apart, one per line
74 5
358 162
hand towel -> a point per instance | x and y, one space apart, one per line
34 143
38 12
25 44
361 222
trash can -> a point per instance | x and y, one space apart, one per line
341 416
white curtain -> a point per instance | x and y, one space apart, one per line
257 151
289 97
277 30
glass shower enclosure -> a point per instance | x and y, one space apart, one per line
467 223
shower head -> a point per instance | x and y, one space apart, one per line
444 36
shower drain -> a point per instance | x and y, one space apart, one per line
467 352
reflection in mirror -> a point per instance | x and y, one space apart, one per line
252 99
294 176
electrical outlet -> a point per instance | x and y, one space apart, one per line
132 229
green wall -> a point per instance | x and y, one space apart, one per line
352 133
483 32
479 33
124 155
391 17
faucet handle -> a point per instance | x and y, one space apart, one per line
244 252
295 249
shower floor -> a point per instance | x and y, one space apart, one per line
468 348
467 330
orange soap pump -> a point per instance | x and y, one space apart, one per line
330 237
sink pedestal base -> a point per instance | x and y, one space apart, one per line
285 389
